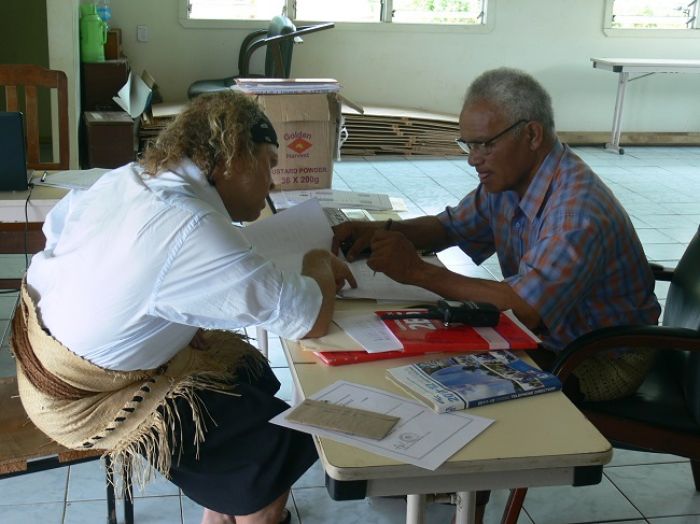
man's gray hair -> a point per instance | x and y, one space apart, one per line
517 94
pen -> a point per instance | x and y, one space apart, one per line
387 227
43 177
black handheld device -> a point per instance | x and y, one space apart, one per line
478 314
470 313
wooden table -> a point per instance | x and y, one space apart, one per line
629 69
535 441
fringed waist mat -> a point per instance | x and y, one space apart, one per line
82 406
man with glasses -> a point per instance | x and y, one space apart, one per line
570 257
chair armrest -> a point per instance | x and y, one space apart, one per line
660 272
633 337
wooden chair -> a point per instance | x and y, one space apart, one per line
22 84
25 449
26 79
663 416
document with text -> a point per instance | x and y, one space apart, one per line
422 437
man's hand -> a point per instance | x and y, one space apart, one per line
356 233
395 256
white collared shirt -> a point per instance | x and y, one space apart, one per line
136 264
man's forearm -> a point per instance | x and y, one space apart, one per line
424 232
459 287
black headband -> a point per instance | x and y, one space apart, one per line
262 131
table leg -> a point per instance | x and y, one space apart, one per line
415 509
614 144
261 335
466 506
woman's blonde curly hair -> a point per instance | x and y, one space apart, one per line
213 128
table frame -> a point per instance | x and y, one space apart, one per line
630 69
359 477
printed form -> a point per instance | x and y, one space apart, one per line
422 437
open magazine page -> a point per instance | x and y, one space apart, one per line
465 381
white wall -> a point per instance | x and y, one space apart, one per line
430 69
64 55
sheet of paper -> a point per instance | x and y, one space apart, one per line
368 330
75 179
133 97
422 437
380 286
333 198
286 236
335 340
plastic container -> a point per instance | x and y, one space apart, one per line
104 10
93 34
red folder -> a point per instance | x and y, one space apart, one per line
420 336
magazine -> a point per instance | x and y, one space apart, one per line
467 381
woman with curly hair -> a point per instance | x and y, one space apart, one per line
125 338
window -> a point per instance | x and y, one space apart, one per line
652 14
453 12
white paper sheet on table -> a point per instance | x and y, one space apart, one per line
422 437
333 198
368 330
379 286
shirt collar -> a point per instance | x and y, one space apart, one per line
197 183
536 193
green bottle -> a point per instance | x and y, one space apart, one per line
93 34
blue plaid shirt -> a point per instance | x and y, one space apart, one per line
568 248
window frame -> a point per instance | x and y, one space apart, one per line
486 27
646 32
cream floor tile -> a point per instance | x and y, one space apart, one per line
566 504
688 519
316 507
41 513
149 510
658 490
625 457
34 488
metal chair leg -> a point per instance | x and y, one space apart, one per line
128 494
111 505
514 505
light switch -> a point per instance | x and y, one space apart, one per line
142 33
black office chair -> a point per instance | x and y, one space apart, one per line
278 39
663 416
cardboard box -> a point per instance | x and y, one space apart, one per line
307 117
110 138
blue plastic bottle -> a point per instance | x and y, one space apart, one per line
104 10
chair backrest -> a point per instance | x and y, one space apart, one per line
683 300
682 309
279 40
278 58
21 83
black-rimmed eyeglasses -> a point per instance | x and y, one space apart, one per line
485 147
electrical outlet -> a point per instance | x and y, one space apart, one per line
142 33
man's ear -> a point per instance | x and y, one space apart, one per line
535 135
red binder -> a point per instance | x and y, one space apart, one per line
420 336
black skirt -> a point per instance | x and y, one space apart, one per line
245 462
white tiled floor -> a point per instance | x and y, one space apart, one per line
660 188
